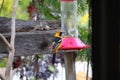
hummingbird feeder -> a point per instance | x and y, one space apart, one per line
69 26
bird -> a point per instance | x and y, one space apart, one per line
56 43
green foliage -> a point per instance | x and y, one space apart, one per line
3 62
40 56
21 9
7 8
50 9
82 6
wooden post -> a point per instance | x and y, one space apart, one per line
70 70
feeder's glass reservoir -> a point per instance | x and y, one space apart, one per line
69 17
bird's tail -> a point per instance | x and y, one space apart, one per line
53 59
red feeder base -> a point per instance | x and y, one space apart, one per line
70 43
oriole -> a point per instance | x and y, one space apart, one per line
56 44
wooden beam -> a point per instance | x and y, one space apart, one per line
30 43
26 42
24 25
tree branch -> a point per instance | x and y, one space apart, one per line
1 7
6 42
12 41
